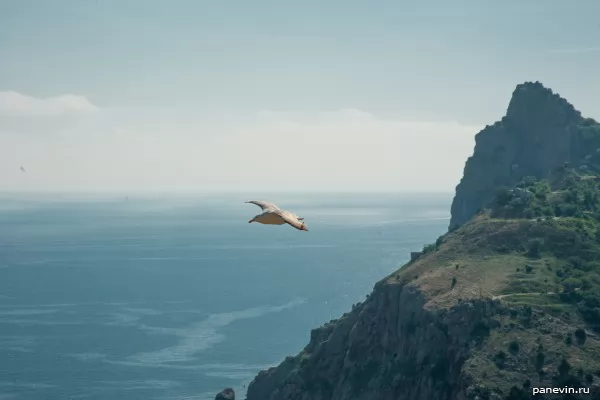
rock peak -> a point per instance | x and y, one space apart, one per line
529 88
531 98
541 131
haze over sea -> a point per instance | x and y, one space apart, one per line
104 297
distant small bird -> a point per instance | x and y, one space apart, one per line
22 169
273 215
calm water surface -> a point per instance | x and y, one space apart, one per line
176 298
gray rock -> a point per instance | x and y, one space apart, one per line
538 134
226 394
373 352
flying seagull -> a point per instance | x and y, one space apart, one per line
22 169
273 215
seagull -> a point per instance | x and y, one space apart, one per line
22 169
273 215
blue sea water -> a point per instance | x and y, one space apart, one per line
105 298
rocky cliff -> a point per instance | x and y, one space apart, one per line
540 131
391 347
507 301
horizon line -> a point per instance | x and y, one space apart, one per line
217 192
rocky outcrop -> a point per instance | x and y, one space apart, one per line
442 327
541 131
389 347
226 394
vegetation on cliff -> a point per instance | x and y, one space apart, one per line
536 250
540 132
557 221
504 302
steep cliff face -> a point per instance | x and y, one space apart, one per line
540 131
390 347
474 318
508 300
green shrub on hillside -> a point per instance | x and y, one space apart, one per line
564 223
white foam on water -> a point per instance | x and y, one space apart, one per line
204 335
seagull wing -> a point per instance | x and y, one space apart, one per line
264 205
290 219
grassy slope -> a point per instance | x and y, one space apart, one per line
540 258
480 268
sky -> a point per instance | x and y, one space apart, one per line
195 96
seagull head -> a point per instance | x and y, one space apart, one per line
303 227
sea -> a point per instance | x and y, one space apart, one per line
173 297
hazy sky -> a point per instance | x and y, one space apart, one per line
192 95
